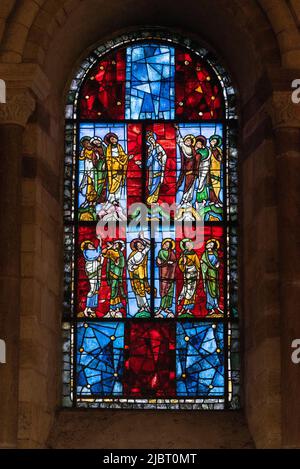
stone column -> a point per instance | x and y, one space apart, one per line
286 121
13 118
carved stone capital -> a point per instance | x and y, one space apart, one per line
284 113
18 108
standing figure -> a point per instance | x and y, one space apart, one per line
204 164
93 266
166 261
117 163
215 166
189 264
210 266
100 166
138 271
87 183
114 276
156 163
188 169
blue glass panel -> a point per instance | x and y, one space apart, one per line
200 359
150 72
100 358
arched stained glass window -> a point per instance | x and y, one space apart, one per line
150 311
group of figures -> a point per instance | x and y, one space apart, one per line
190 265
200 175
104 174
103 178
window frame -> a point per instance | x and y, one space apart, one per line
229 222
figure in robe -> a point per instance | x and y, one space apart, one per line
204 165
210 266
87 183
156 162
138 272
93 266
216 167
100 166
115 277
189 264
189 168
166 261
117 164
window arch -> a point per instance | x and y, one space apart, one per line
150 311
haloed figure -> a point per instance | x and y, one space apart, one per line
138 272
204 165
93 264
117 163
189 264
188 168
156 163
87 183
215 166
100 165
114 275
210 266
166 261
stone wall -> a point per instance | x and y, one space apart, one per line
41 271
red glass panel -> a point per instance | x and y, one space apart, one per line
134 173
103 91
198 92
149 360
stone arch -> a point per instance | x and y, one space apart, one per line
31 25
283 19
27 22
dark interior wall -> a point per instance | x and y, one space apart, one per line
220 24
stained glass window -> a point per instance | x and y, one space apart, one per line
150 311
